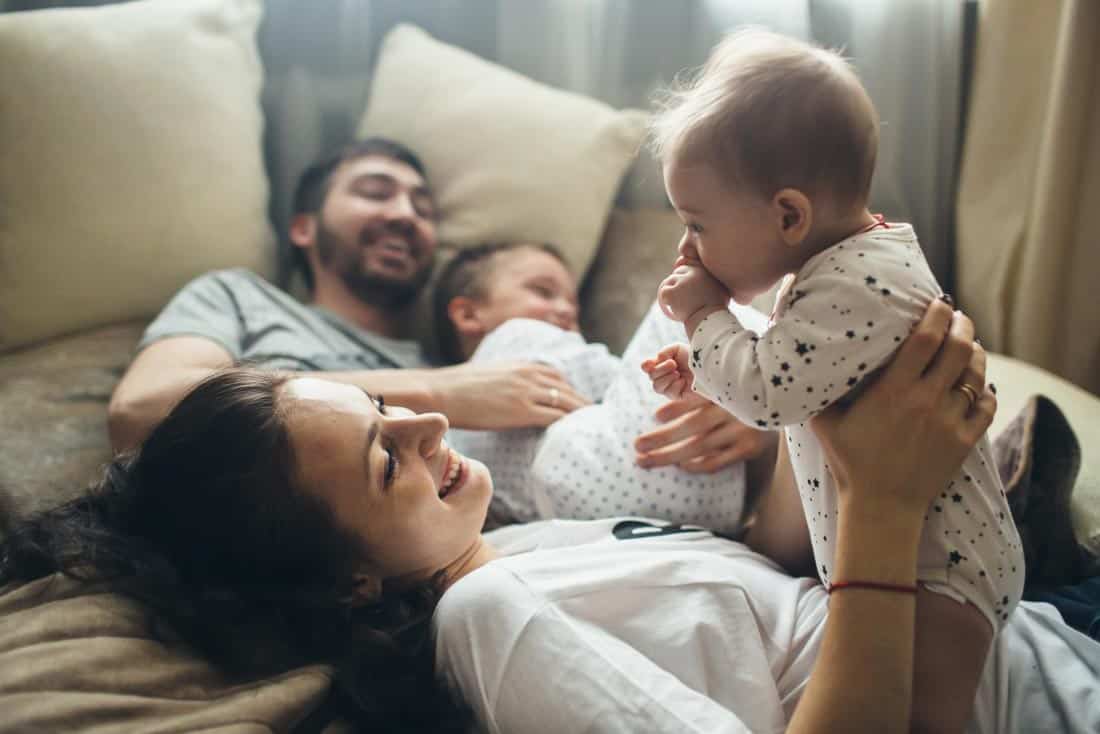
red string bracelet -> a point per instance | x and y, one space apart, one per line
876 585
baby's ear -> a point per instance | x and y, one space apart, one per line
794 214
463 313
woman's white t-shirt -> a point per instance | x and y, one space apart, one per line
633 625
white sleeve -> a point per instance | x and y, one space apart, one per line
526 666
834 332
589 368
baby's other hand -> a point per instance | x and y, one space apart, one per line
688 290
670 371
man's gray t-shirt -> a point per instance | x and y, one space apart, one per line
257 322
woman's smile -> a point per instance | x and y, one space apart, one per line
455 474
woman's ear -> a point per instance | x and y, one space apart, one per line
367 589
303 230
463 313
794 213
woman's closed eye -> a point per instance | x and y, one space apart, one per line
391 466
695 228
391 457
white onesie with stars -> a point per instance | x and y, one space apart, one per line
844 314
582 465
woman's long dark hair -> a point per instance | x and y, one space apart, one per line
204 524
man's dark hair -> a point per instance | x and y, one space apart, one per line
313 184
467 274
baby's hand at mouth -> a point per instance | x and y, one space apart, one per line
689 292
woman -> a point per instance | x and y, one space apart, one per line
342 524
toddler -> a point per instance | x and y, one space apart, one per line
504 302
767 156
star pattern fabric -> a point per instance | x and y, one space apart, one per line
843 316
582 465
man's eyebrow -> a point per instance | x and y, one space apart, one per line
380 177
388 179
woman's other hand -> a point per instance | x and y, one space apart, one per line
700 437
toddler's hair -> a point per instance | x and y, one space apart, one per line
467 274
770 112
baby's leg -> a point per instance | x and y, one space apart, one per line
951 643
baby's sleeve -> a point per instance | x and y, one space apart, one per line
832 333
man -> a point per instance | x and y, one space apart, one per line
364 230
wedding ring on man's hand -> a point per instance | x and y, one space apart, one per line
554 393
970 393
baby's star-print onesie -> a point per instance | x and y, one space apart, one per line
582 466
844 314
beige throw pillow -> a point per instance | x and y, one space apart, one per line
510 159
132 159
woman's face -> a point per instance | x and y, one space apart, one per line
415 504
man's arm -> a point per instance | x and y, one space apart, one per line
155 381
480 396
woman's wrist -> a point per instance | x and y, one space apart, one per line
877 543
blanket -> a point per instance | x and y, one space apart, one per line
75 657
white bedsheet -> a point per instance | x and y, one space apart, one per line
1043 676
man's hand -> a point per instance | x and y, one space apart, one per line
492 396
700 437
670 371
690 291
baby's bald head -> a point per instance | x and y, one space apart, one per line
769 112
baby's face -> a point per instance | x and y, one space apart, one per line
528 283
730 232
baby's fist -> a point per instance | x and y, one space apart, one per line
670 371
690 289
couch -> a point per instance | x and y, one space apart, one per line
68 329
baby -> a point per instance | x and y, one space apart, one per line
768 156
519 301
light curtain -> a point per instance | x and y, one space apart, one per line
1028 249
908 53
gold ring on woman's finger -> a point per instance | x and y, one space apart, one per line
554 395
970 393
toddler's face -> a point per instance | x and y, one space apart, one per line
528 283
730 232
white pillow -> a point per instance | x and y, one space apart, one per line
132 159
509 159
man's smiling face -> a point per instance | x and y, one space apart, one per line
377 229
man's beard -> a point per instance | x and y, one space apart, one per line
368 287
